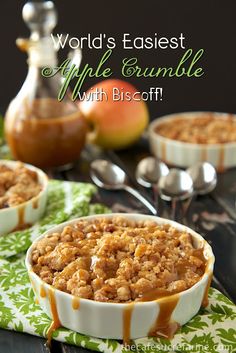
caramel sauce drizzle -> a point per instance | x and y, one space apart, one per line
204 154
127 316
35 203
221 167
163 150
167 301
75 303
205 299
155 294
43 292
21 217
163 327
23 44
55 318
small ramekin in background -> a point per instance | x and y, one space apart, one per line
182 154
29 212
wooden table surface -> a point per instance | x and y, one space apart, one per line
213 216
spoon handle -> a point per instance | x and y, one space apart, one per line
173 209
142 199
155 195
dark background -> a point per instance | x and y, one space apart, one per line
208 24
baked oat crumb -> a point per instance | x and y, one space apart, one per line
208 128
117 260
17 185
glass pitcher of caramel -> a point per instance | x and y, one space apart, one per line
39 129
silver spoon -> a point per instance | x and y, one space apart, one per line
110 176
177 185
148 172
204 177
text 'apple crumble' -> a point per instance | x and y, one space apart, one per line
118 260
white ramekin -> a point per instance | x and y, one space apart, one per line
27 213
182 154
106 320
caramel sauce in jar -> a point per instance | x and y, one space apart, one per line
45 132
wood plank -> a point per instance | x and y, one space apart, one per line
72 349
12 342
209 219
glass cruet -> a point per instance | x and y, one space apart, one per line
39 129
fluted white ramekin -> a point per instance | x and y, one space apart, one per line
182 154
27 213
106 320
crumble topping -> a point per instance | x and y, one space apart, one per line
17 185
118 260
205 129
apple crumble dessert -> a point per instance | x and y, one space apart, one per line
205 129
17 185
118 260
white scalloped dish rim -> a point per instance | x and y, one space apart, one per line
113 320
